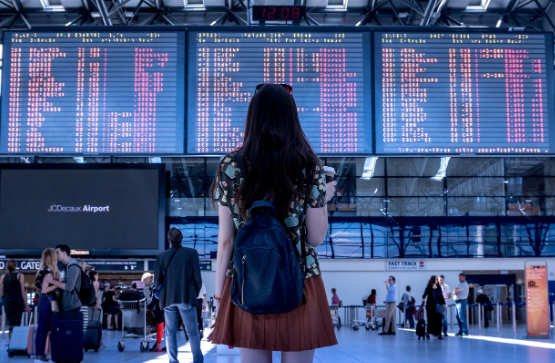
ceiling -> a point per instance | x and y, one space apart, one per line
521 14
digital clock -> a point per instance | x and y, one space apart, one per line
269 13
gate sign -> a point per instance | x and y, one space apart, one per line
406 265
24 265
537 300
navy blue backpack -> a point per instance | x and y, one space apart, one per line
267 278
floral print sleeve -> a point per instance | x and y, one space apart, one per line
316 197
228 180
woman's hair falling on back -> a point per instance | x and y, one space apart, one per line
277 157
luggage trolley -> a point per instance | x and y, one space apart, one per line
139 324
370 323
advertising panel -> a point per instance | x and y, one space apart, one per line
537 302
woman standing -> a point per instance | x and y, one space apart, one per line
276 164
48 266
12 287
93 275
435 306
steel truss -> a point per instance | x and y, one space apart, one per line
520 14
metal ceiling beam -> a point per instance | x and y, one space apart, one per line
545 15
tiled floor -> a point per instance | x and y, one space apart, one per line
359 346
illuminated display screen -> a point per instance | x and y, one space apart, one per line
93 92
329 73
464 93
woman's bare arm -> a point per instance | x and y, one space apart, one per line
226 242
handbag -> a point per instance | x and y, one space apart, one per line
54 306
440 309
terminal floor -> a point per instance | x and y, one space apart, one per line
355 347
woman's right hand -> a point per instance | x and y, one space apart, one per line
211 335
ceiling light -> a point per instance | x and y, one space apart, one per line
499 22
442 171
369 167
483 5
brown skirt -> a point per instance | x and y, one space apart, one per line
307 327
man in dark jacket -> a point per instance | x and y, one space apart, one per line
177 271
484 299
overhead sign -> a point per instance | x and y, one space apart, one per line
406 265
205 265
537 300
116 265
121 265
25 265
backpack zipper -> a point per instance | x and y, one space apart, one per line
243 279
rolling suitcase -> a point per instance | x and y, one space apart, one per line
67 337
32 338
19 339
421 329
93 335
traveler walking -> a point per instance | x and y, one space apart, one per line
12 287
447 297
48 266
84 308
461 300
177 275
435 307
277 168
152 305
408 307
484 299
110 304
390 305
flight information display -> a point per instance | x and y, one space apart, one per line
464 93
329 73
93 92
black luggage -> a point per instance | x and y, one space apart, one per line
67 337
421 329
93 335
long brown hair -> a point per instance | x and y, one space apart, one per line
432 281
11 266
278 161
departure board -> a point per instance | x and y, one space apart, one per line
329 73
464 93
93 92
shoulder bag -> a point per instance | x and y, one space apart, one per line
161 286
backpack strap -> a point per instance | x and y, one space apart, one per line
79 282
167 267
